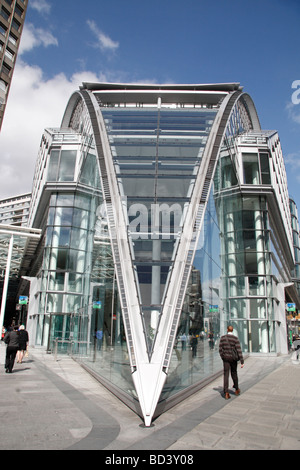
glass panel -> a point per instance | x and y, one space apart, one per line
238 308
251 266
250 165
54 303
237 286
79 238
157 153
84 202
63 216
67 165
264 168
228 173
89 175
58 259
80 218
65 199
259 336
75 282
53 165
12 39
59 333
258 308
73 303
61 236
195 355
56 281
256 285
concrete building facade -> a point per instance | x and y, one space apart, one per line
12 17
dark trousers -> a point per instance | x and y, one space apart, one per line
11 352
232 367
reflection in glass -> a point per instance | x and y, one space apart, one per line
195 354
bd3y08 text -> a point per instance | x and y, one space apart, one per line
152 459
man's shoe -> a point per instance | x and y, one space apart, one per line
227 396
237 392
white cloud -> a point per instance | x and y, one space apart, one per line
293 112
35 37
293 161
104 42
34 103
42 6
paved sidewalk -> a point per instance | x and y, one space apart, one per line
56 405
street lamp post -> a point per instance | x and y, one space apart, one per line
6 279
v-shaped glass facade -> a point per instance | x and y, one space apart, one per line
157 234
156 155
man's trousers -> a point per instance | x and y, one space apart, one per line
232 367
11 352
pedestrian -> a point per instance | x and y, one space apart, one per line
230 352
12 340
194 344
99 336
296 346
23 343
183 341
3 333
211 340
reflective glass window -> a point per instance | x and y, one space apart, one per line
61 236
74 282
56 281
238 308
256 285
257 308
53 165
67 165
54 303
251 170
65 199
264 168
156 153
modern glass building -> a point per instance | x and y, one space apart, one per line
164 216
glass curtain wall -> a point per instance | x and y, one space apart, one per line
94 330
246 261
195 355
230 280
156 153
64 276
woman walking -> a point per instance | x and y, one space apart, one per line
23 342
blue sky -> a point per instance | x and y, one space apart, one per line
255 43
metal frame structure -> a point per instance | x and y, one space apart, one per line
149 373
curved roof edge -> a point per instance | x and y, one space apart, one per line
227 87
253 111
76 96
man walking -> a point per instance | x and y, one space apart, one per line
230 352
12 340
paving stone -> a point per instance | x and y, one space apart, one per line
52 405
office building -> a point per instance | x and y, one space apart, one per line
12 17
164 216
15 210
